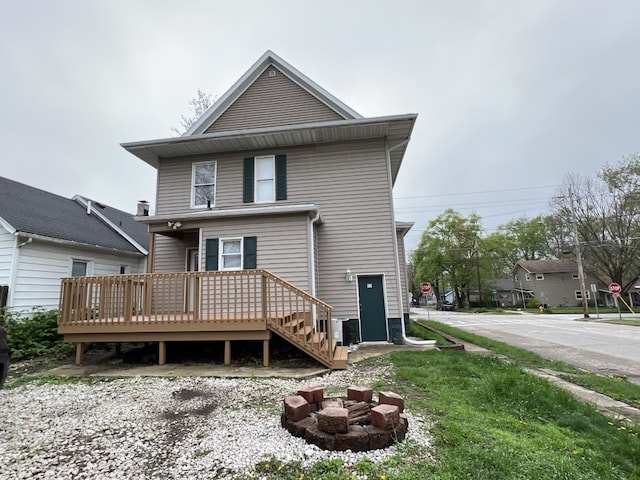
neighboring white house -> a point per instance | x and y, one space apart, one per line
45 237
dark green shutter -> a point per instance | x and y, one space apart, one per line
247 180
281 177
250 250
211 254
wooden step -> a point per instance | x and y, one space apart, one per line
340 355
294 324
305 332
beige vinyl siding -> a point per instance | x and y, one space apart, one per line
273 101
170 254
348 181
283 243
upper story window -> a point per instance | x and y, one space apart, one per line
527 277
575 276
579 295
203 182
539 276
264 179
265 184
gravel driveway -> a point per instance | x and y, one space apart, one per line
185 428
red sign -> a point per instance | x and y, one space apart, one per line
425 287
615 289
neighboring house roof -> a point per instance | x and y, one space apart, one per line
502 284
395 130
34 212
548 266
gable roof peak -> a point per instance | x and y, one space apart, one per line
269 58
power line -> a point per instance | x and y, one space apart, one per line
479 192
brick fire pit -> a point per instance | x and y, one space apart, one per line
354 422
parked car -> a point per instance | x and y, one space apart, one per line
446 306
5 356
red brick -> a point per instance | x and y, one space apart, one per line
333 420
360 394
312 394
296 407
385 417
391 398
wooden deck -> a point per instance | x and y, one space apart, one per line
196 306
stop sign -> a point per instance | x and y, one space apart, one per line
615 289
425 288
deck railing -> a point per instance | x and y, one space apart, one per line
196 301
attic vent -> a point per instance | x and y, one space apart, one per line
272 73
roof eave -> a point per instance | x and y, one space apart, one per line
395 128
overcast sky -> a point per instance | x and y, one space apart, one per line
511 95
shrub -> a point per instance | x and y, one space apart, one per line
34 335
533 303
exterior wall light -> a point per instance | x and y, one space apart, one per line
348 276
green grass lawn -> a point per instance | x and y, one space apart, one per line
612 386
490 420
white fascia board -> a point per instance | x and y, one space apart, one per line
130 146
7 226
71 243
232 212
84 202
404 227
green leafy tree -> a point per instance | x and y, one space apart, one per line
446 253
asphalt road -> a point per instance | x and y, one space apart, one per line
603 348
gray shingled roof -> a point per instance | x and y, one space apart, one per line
34 211
549 266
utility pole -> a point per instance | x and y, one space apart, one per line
583 290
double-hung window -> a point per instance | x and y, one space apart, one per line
230 254
203 180
265 187
264 179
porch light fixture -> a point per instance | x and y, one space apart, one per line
174 225
348 276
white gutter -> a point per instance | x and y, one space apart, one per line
395 247
205 214
61 241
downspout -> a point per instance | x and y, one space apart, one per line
405 340
312 266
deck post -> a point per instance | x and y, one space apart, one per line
227 352
128 300
264 296
79 352
162 353
265 353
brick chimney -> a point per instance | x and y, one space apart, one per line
143 209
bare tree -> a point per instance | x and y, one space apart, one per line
607 214
198 106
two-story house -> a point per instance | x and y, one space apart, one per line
552 282
274 215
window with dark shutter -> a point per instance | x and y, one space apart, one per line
262 176
211 255
250 251
247 180
281 177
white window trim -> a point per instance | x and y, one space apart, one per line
579 295
193 183
575 276
221 253
88 262
255 178
539 276
527 277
